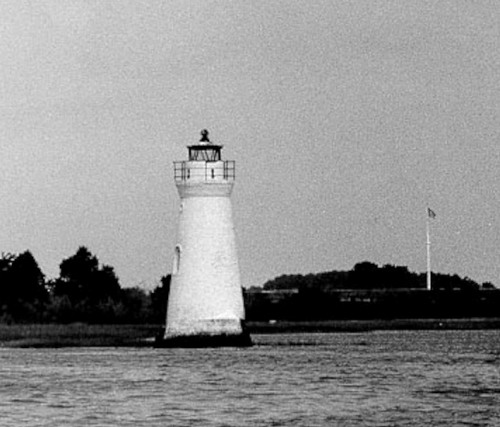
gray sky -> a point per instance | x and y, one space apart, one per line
346 119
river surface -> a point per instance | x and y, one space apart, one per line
431 378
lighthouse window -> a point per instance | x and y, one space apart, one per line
204 154
213 174
177 259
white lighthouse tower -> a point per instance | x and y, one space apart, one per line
205 304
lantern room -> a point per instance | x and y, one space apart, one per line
204 163
205 151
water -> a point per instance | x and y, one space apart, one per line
432 378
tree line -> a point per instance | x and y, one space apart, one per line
367 275
89 292
85 291
371 292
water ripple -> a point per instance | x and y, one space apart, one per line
437 378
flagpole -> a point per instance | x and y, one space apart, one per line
429 286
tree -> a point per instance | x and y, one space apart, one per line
23 293
104 285
93 292
76 275
398 277
488 285
6 261
159 300
365 275
135 306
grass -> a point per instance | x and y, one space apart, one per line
77 335
87 335
372 325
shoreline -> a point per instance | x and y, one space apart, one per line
84 335
343 326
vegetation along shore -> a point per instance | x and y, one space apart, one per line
86 305
84 335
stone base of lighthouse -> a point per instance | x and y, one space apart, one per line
206 333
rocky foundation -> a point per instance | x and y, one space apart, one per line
207 334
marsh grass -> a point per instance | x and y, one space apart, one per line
371 325
77 335
89 335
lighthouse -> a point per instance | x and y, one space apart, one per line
205 304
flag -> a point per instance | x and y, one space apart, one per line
431 213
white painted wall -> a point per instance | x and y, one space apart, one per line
205 292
